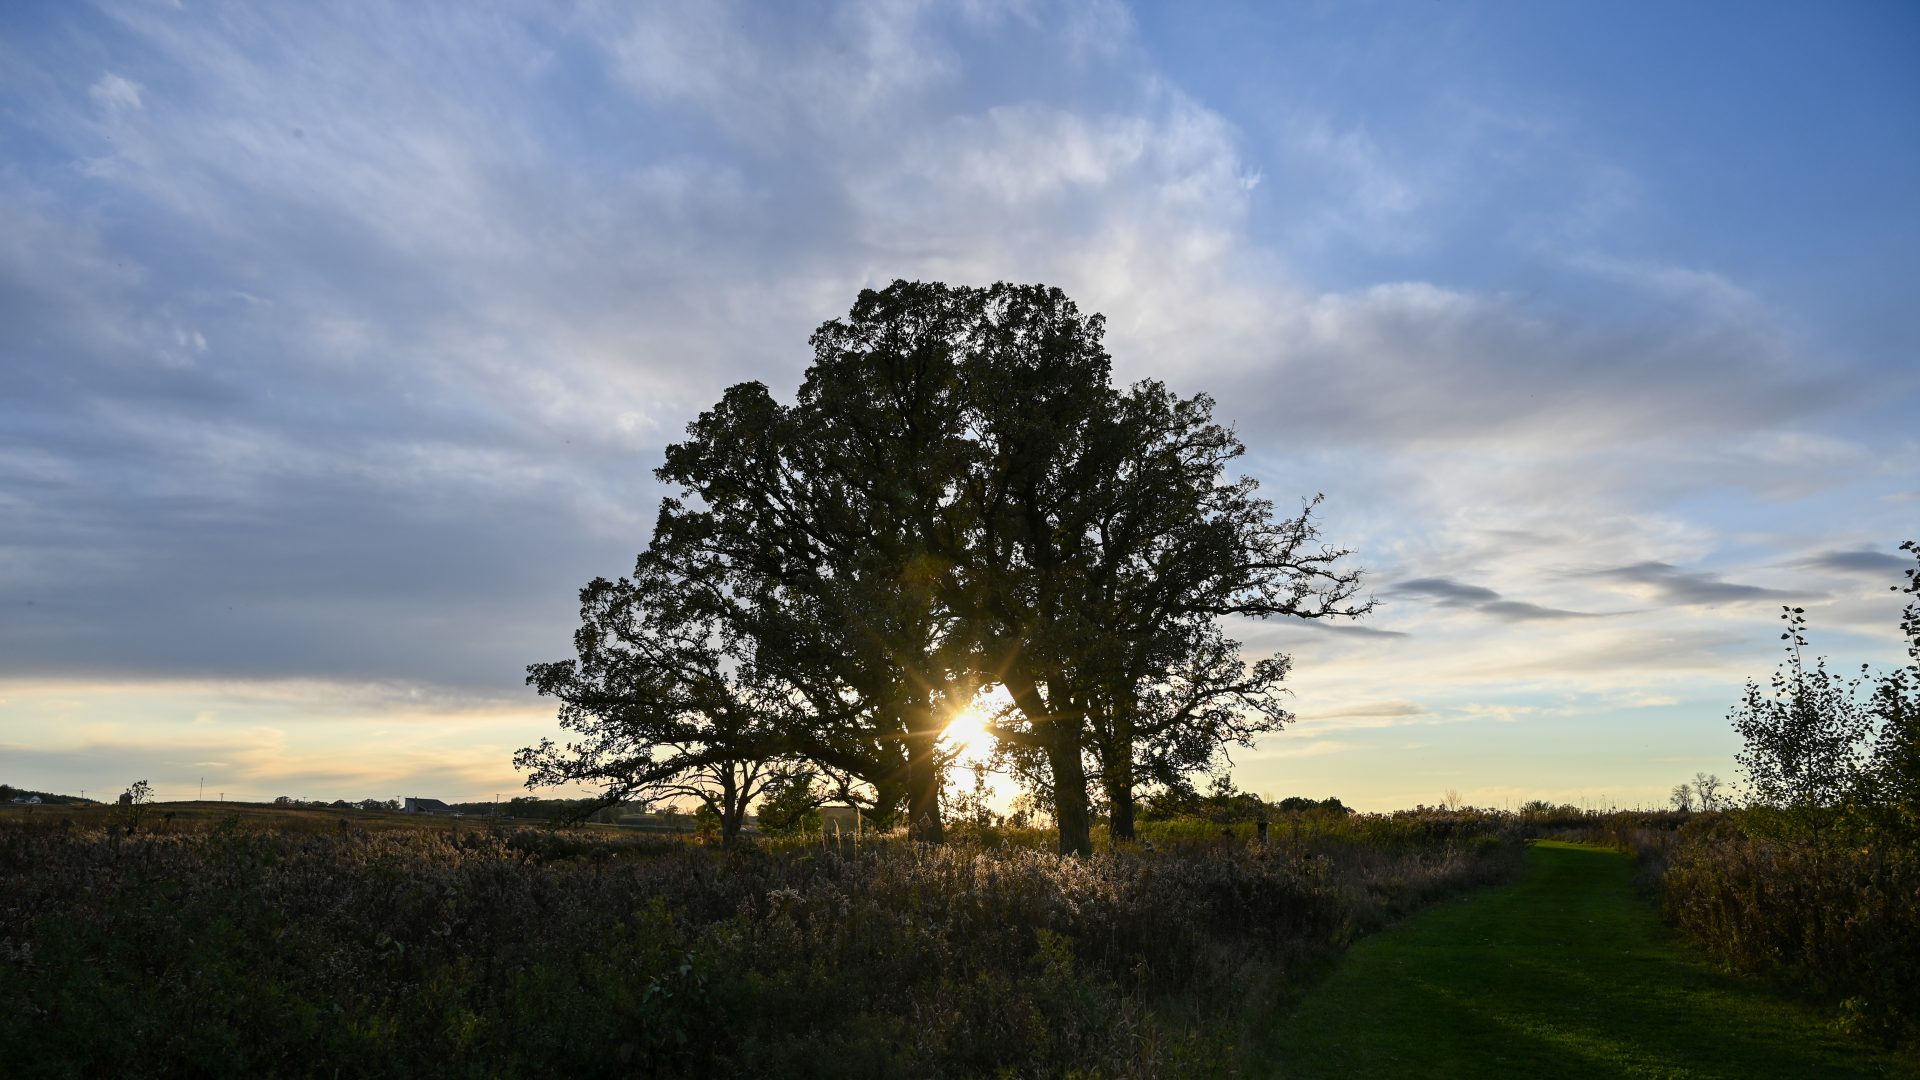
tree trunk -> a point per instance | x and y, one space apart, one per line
1069 787
923 789
889 793
731 808
1117 777
1061 734
1120 806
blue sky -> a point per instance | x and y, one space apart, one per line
340 344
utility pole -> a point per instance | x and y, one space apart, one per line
203 790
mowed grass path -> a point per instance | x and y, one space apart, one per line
1565 974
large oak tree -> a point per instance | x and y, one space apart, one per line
958 498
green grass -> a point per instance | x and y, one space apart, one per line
1565 974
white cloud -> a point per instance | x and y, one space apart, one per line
1379 199
1713 293
767 76
116 93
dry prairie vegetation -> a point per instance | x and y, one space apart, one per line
410 950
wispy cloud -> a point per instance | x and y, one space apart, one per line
116 93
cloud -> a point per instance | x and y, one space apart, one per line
760 75
1361 716
1371 709
1703 289
1415 363
1671 585
1346 629
1281 747
339 351
1863 561
116 93
1448 593
1379 201
361 351
1445 591
301 737
1520 611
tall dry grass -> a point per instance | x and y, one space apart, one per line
1835 912
500 954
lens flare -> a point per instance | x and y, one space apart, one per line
967 737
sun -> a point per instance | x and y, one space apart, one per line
967 737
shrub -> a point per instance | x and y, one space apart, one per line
1840 919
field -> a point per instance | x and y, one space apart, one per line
263 939
279 942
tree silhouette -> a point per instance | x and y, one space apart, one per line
828 533
957 498
1112 542
659 710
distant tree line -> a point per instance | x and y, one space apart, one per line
290 801
1707 793
958 499
8 793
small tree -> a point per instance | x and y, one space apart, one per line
1806 734
790 804
133 803
662 710
1707 788
1817 741
972 805
1682 797
706 821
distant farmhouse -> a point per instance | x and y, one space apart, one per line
30 800
425 806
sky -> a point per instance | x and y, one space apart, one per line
338 344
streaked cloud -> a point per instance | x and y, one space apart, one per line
1670 584
1864 561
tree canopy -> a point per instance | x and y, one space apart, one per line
958 498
